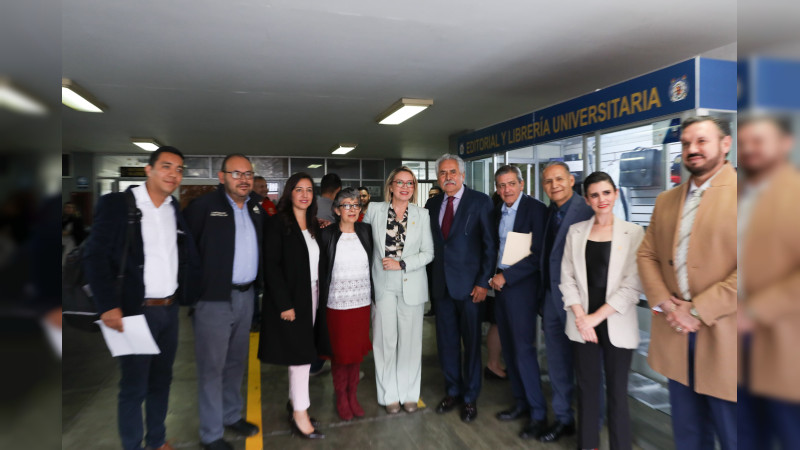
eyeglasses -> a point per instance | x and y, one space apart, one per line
236 174
401 183
349 206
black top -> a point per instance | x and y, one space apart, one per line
597 254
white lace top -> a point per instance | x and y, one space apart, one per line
350 287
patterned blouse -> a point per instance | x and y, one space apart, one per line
395 234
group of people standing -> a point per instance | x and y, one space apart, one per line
324 286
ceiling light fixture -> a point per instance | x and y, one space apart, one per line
146 144
344 148
79 98
314 166
402 110
17 99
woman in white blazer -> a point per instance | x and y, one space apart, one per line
600 287
402 246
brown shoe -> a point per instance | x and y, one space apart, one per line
410 407
393 408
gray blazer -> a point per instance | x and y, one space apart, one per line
623 288
417 253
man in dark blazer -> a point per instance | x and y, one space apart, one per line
464 258
227 225
151 286
517 288
566 208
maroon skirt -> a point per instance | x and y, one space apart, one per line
349 334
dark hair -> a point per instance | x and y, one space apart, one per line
348 192
722 125
597 177
783 124
258 177
163 149
363 188
233 155
508 169
436 187
330 183
284 206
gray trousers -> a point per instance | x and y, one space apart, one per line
221 345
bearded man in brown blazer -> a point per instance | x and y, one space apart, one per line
769 285
687 264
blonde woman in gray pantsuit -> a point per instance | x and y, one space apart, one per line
403 246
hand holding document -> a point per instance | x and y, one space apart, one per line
518 246
135 340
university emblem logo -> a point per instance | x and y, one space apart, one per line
461 149
678 89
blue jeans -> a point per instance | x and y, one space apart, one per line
146 379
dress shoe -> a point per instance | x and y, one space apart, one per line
447 404
490 375
219 444
430 313
166 446
410 407
534 429
469 412
557 430
514 413
313 435
243 428
393 408
290 410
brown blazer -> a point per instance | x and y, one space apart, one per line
712 283
771 281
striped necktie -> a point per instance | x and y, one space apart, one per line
687 222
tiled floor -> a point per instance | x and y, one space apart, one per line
90 378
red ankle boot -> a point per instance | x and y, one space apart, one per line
340 374
352 387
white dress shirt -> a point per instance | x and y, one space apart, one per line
160 238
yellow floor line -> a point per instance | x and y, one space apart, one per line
254 395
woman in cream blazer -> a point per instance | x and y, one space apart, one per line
402 247
600 287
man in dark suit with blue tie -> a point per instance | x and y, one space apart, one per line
464 259
517 285
565 209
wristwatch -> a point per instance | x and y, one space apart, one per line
402 265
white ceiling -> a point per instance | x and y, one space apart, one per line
289 77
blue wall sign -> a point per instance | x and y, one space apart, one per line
659 93
508 135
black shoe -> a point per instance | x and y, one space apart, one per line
430 313
313 435
534 429
219 444
290 410
469 412
447 404
489 375
243 428
557 430
517 412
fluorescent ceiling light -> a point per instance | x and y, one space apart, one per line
16 99
79 98
146 144
314 166
344 148
402 110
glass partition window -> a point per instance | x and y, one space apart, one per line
372 169
271 167
345 168
109 165
197 167
312 166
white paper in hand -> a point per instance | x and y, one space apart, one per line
518 246
136 338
